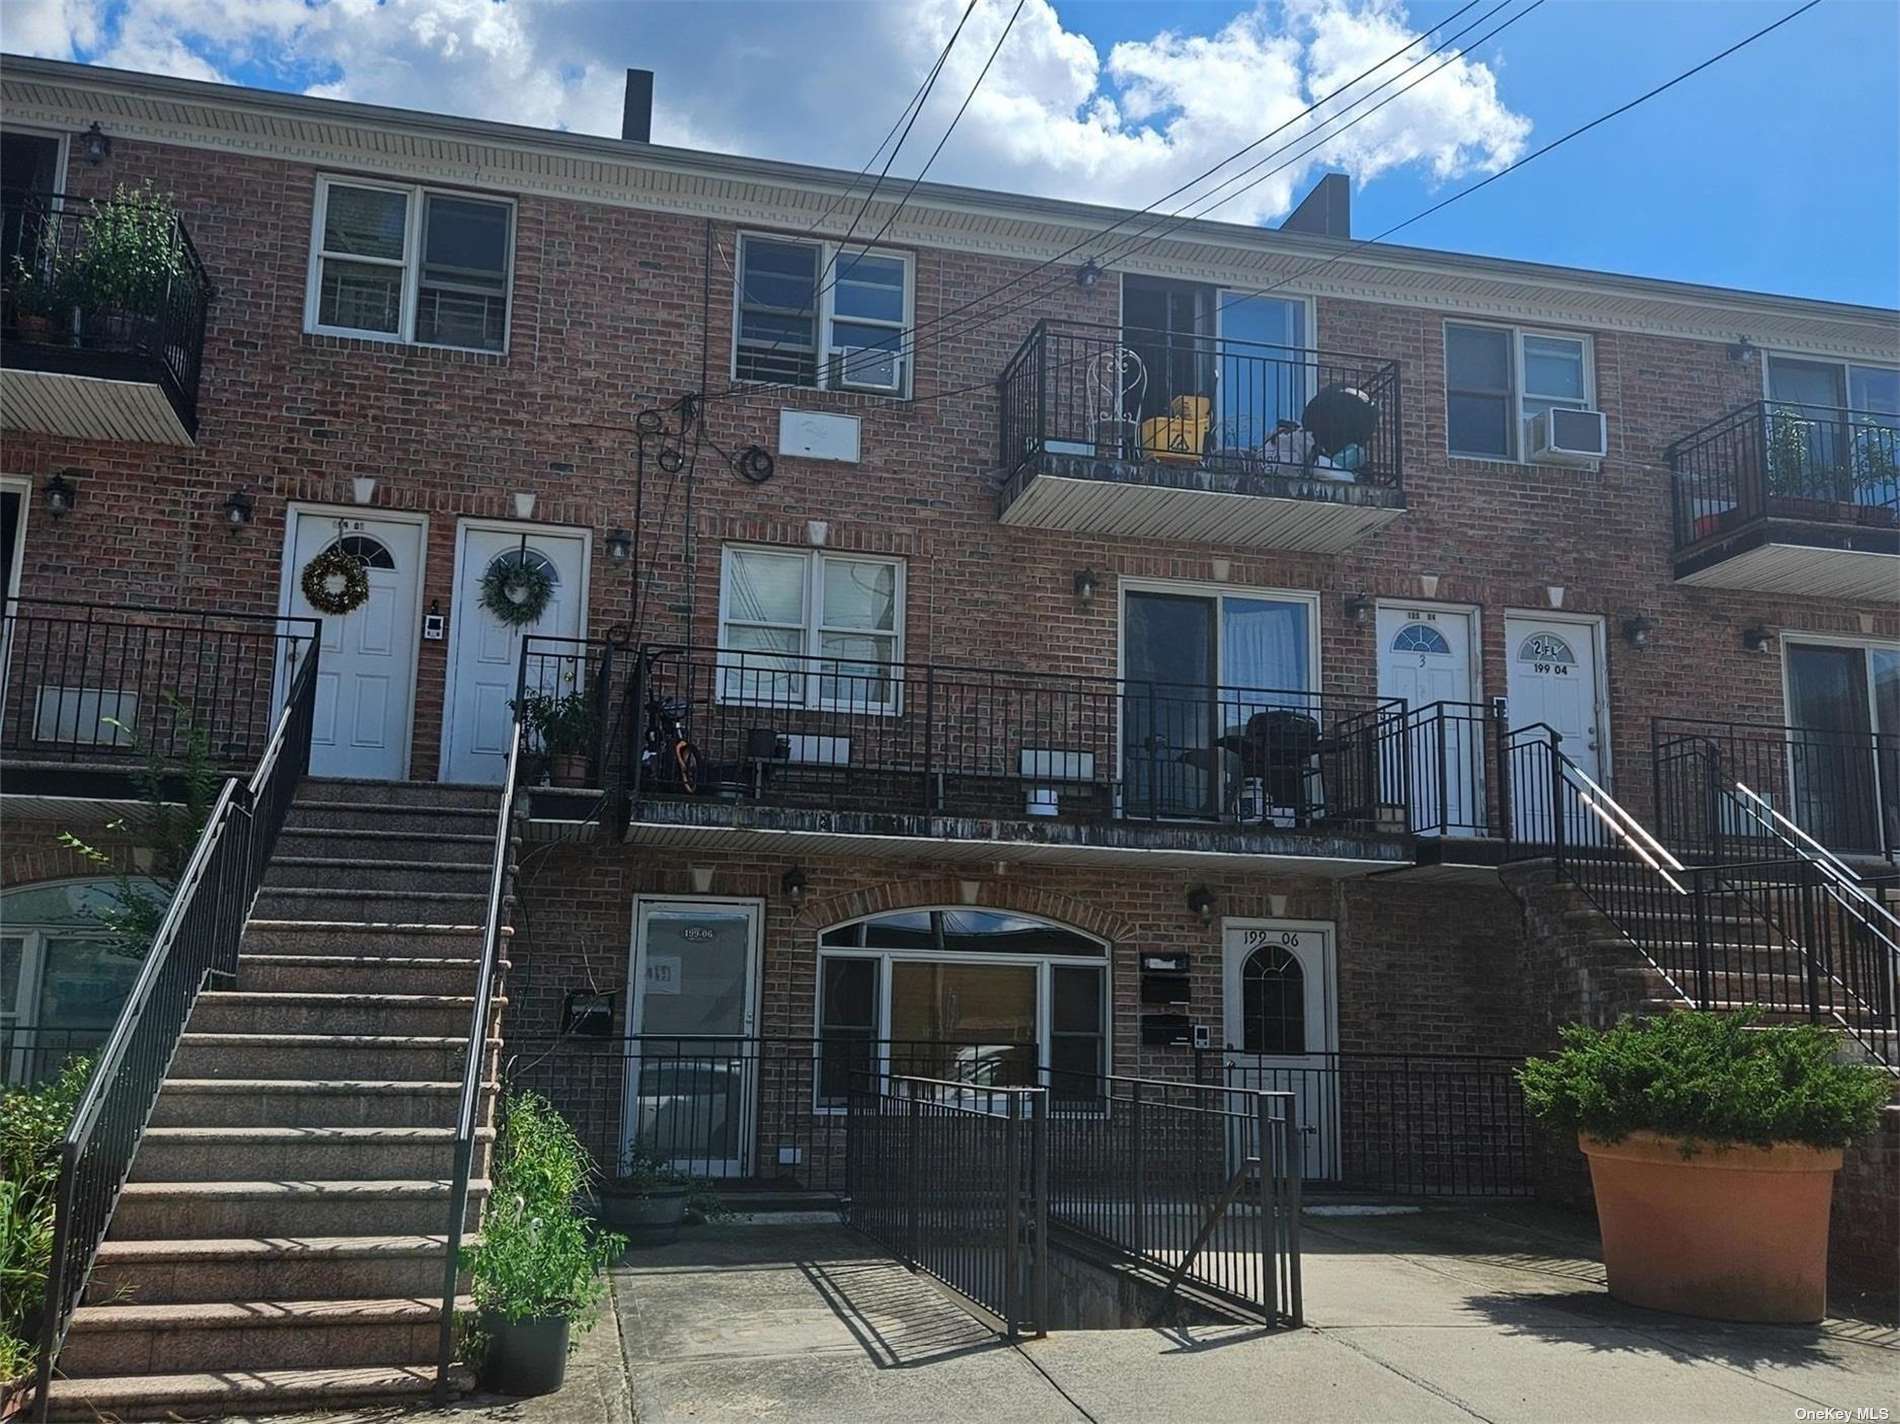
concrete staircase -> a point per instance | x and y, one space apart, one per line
280 1242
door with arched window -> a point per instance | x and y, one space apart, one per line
1282 1026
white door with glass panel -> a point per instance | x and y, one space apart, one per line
692 1080
485 659
1834 429
1552 678
366 676
1425 658
1278 990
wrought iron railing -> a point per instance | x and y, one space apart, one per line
69 296
953 1180
477 1061
1841 788
31 1054
1451 756
196 940
121 683
1786 460
831 735
1136 397
579 678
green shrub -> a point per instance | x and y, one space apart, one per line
539 1255
33 1123
1711 1077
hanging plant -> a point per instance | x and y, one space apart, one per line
335 582
515 591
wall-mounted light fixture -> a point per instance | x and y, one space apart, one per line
1358 608
1085 587
1757 639
1088 274
238 509
794 884
1741 350
60 496
1200 901
94 144
619 545
1636 628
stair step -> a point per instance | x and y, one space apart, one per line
465 877
206 1154
393 1057
264 1102
175 1396
232 1011
193 1210
354 939
249 1334
414 820
355 974
432 844
348 791
259 1268
373 907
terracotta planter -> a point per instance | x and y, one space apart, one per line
568 769
13 1395
1738 1233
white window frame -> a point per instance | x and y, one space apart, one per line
812 630
1521 428
829 255
1845 365
1043 964
411 263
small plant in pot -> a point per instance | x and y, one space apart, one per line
563 724
538 1271
646 1199
43 294
1713 1144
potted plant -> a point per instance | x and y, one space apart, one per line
537 1272
563 723
131 250
646 1200
43 294
1713 1144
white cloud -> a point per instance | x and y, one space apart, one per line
821 83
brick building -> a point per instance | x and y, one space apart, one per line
1090 649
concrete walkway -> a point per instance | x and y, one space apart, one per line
1456 1315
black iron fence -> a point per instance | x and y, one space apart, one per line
196 940
1136 396
1842 788
829 734
30 1054
89 279
1451 757
567 691
112 683
954 1180
1786 460
1199 1180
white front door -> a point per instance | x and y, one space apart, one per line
1553 678
1281 1033
484 659
366 677
1425 658
692 1084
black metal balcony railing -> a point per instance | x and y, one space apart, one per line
120 683
1842 788
823 734
1785 460
1163 398
104 287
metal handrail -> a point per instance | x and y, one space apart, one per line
469 1103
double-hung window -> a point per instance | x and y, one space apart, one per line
1498 378
812 314
415 264
821 630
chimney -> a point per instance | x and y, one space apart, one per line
1326 211
636 119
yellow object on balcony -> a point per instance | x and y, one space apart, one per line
1181 434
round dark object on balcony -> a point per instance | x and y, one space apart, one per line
1340 416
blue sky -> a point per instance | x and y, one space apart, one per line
1779 170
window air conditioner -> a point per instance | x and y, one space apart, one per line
1569 437
867 368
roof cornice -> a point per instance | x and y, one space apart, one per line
727 187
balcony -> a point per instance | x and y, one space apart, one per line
1795 499
102 318
758 751
1150 434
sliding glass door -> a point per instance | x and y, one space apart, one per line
1845 754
